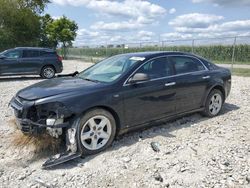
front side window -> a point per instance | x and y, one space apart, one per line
110 69
184 65
30 53
157 68
13 54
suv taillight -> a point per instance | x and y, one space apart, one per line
59 58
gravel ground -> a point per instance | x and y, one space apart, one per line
194 151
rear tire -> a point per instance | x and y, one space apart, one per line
214 103
96 131
48 72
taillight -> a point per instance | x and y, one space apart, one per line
59 58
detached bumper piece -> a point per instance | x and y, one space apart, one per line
60 158
72 148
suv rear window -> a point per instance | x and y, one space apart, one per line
30 53
47 53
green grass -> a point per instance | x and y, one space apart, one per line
230 62
241 72
215 53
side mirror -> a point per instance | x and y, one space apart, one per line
138 77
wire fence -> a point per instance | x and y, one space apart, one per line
223 50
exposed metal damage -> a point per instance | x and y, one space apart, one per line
71 145
50 118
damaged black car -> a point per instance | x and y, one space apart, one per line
121 93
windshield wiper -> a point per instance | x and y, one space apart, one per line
96 81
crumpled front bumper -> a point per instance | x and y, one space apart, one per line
26 125
29 127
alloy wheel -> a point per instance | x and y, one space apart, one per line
96 132
215 104
48 72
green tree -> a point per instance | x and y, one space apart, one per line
20 22
63 31
37 6
45 39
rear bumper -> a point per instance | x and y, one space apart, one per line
59 68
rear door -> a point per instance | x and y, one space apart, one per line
192 79
10 64
31 61
152 99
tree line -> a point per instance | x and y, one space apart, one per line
23 23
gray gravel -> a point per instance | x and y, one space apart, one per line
194 151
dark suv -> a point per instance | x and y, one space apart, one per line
30 61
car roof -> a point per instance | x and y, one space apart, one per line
158 53
33 48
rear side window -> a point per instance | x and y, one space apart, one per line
186 64
157 68
47 53
30 53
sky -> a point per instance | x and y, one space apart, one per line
128 21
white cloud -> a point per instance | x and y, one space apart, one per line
131 8
115 26
71 2
225 2
195 20
189 27
175 36
117 38
86 33
130 24
56 17
172 11
144 35
137 13
238 25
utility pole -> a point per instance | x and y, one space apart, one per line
193 46
233 55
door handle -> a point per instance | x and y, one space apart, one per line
205 77
170 84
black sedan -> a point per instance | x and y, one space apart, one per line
121 93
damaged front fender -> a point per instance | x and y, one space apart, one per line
72 151
50 117
33 118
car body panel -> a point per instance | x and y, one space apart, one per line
147 101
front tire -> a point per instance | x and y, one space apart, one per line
96 132
214 103
48 72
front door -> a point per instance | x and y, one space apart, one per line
152 99
10 63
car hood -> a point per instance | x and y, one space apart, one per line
55 87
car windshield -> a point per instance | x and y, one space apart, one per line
110 69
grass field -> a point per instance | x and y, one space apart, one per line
241 72
230 62
215 53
